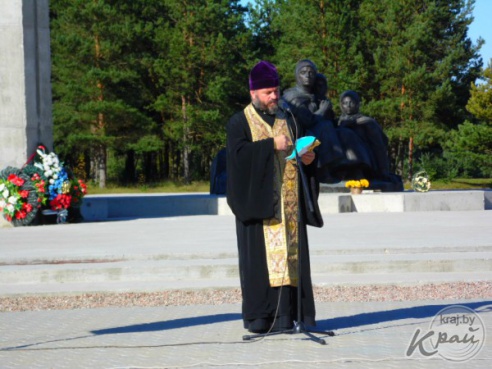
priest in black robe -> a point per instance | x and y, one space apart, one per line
262 192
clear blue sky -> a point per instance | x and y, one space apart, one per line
482 27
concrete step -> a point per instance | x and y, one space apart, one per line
200 252
319 280
222 271
106 207
193 256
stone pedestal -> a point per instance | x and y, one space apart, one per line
25 87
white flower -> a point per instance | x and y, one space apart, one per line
421 182
55 176
5 193
10 208
3 203
2 187
52 181
12 200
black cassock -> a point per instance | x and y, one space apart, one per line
250 181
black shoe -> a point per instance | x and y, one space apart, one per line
259 326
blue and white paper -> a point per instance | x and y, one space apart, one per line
302 146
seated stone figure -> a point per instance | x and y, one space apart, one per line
370 145
365 146
314 111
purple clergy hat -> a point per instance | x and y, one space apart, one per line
263 75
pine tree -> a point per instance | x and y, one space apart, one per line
422 63
480 103
323 31
96 85
201 50
147 81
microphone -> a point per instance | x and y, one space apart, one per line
285 107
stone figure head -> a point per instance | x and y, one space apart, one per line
306 72
264 84
349 102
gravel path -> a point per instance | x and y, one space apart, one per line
442 291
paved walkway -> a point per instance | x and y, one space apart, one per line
368 335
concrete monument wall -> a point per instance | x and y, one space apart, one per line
25 86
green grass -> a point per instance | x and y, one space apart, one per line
164 187
204 186
459 184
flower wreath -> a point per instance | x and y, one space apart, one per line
18 197
57 181
421 181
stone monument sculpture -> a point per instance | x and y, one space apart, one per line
314 111
354 147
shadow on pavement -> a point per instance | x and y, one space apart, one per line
170 324
417 312
353 321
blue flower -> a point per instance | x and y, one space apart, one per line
55 188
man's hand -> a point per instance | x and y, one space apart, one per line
282 142
308 157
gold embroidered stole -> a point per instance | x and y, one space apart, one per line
280 232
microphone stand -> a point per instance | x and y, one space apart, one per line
299 326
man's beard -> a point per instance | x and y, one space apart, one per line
272 110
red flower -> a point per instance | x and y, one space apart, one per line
27 207
20 214
15 180
61 202
83 185
40 186
24 194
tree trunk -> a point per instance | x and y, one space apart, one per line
186 152
100 120
130 170
410 158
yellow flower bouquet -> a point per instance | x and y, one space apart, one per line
357 183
